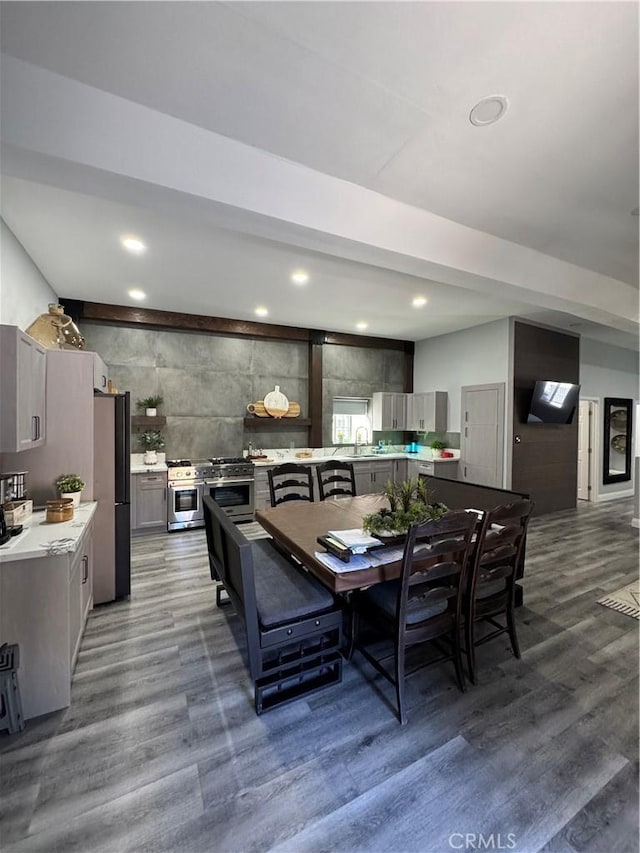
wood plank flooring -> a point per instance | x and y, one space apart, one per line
161 750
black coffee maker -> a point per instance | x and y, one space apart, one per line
4 531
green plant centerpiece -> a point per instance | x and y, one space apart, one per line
437 446
408 504
151 439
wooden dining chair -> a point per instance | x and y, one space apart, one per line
490 591
290 482
335 478
425 604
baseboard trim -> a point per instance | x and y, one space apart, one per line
614 496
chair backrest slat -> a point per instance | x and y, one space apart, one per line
448 542
290 482
500 545
335 478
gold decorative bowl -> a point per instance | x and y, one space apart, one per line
59 510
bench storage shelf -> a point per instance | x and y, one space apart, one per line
293 625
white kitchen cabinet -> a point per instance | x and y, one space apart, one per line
149 500
371 477
261 489
427 412
389 411
400 470
44 602
445 468
22 391
100 374
80 594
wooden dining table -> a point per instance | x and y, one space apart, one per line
296 527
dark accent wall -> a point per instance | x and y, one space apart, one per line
545 460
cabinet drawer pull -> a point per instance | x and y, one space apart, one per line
85 569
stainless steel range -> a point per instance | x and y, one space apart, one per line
229 480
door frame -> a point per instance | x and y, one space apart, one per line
594 441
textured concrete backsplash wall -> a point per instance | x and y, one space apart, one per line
358 372
207 380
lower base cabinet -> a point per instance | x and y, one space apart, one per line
44 604
149 500
371 477
261 489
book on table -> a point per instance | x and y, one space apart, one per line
356 540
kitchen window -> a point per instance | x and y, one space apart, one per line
350 416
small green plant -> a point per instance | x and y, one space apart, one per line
69 483
436 444
150 402
151 439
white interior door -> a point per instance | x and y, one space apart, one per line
482 435
585 449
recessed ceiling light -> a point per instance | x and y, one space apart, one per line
136 293
261 311
419 301
362 326
133 244
488 110
300 277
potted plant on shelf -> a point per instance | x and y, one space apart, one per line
150 405
151 441
70 486
408 504
437 447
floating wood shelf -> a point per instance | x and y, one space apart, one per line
276 423
144 421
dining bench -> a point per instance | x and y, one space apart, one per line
292 623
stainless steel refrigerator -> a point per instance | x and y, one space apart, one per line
112 490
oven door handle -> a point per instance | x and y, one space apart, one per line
186 487
230 481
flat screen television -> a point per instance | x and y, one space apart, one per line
553 402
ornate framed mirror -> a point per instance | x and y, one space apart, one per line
616 446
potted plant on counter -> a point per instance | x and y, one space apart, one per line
437 447
151 440
408 504
70 486
150 405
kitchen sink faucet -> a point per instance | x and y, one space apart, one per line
360 443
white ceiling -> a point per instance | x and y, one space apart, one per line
374 94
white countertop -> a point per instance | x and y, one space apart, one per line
138 466
366 457
39 539
148 469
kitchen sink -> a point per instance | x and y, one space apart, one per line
361 456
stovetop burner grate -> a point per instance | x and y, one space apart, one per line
227 460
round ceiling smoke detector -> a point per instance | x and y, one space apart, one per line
488 110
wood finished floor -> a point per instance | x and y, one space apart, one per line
161 749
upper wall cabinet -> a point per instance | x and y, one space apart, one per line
427 412
389 411
100 374
22 391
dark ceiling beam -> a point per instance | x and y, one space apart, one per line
150 318
130 315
